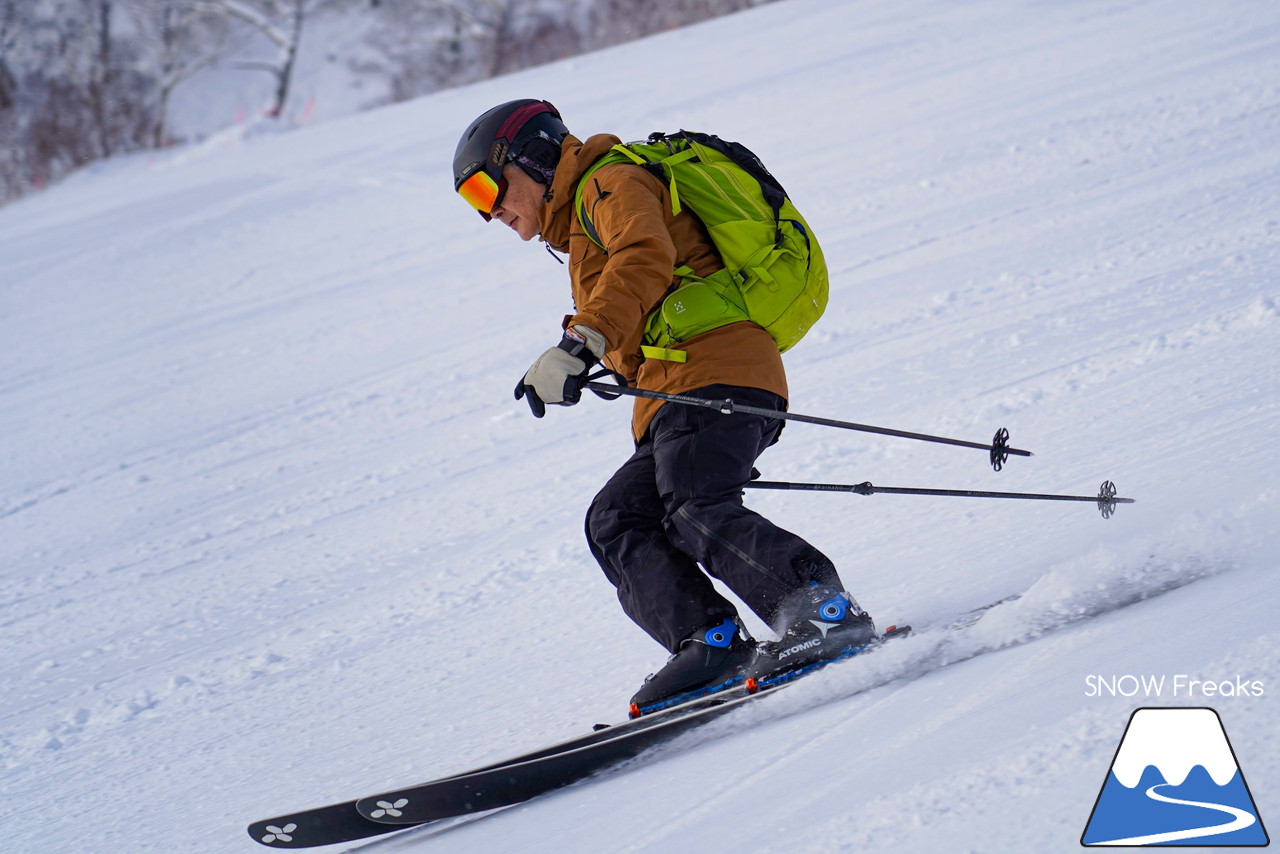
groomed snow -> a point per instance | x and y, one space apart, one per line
273 532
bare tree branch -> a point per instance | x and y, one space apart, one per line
281 22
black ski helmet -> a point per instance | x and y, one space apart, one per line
527 132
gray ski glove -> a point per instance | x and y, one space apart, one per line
560 373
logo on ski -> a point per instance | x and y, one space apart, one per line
386 808
1175 781
279 834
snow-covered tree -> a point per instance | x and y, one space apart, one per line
282 23
614 21
86 79
424 45
178 39
8 37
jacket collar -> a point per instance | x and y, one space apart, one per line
576 157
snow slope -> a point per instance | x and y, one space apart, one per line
273 532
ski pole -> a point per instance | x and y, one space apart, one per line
999 448
1105 499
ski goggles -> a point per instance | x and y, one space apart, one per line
482 192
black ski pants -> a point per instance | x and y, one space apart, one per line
677 503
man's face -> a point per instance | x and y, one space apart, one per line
521 204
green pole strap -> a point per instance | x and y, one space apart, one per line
665 354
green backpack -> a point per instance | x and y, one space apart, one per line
774 275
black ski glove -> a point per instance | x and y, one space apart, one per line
559 374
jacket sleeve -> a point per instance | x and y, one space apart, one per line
629 209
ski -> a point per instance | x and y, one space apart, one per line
530 774
527 777
519 781
349 821
342 822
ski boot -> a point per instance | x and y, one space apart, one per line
822 625
707 661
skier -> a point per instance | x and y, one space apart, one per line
677 502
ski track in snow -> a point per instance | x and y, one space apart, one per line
273 532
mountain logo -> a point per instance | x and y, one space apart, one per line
1175 781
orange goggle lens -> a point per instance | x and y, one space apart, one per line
481 192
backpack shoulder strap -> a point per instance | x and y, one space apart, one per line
588 179
620 153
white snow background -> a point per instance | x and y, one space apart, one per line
274 533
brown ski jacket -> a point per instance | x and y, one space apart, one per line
616 289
